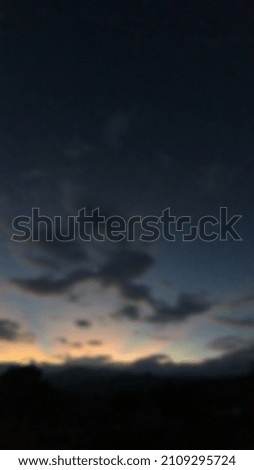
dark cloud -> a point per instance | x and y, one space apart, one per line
95 342
230 363
82 323
125 265
121 269
239 361
138 292
54 254
12 331
50 286
129 312
186 305
9 330
152 363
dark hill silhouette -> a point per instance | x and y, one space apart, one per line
123 410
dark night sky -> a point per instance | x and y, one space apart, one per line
130 106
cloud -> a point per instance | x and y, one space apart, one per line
95 342
230 363
242 301
124 265
11 331
236 322
129 312
85 361
76 345
121 270
51 286
55 253
152 363
138 292
82 323
227 343
186 305
62 340
239 361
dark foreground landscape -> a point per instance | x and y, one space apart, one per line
84 409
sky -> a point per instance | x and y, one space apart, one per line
132 107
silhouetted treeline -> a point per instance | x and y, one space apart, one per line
85 409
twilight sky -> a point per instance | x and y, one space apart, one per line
132 107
